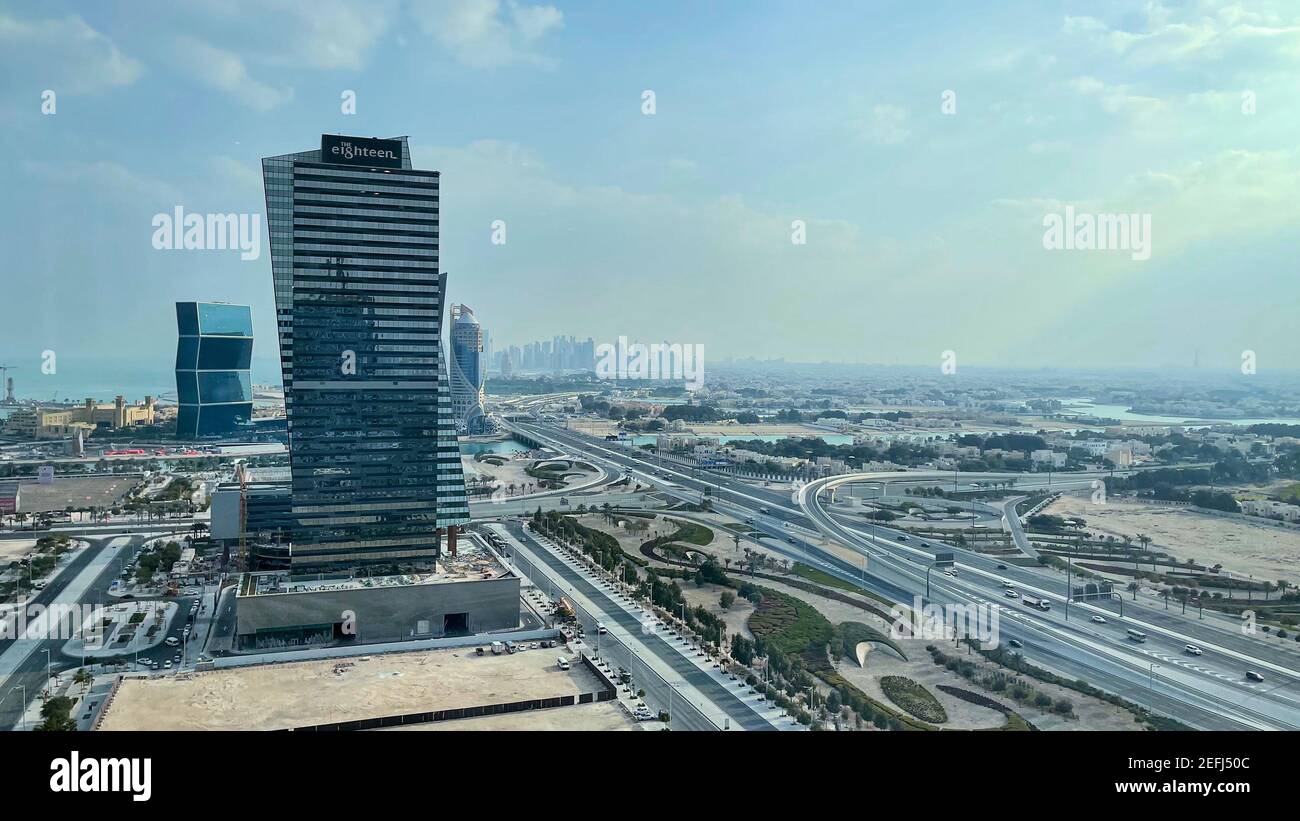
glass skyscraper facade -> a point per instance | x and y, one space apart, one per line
374 460
468 370
214 352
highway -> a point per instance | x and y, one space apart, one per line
1208 691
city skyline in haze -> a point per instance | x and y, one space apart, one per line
794 187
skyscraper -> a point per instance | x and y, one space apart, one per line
214 352
374 463
468 369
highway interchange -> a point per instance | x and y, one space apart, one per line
1209 691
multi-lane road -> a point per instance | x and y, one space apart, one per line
1209 691
24 662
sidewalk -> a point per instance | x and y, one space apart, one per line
652 624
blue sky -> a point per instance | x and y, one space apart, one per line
924 229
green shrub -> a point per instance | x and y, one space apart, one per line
913 698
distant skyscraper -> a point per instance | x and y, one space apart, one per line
374 461
468 370
213 355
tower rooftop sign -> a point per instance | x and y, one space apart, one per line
366 151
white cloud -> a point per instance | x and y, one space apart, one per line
478 34
1193 35
73 57
887 125
1117 99
225 71
109 179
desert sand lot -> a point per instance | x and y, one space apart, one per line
11 550
77 491
280 696
601 716
1245 548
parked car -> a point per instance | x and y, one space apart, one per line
562 663
643 714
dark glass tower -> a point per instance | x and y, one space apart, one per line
213 356
375 465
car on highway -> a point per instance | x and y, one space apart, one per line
902 538
1098 620
1253 676
1016 643
1002 567
790 539
1011 594
1192 649
600 628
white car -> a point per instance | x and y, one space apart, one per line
1011 594
1098 620
1193 649
643 714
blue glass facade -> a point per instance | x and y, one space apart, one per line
213 354
374 459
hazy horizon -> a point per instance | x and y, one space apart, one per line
923 213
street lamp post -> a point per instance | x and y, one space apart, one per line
22 705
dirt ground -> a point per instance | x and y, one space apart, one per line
278 696
1091 714
512 472
595 427
15 549
1244 548
601 716
77 491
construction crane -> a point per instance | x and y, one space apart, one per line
241 474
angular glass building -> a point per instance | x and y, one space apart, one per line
213 356
374 461
468 370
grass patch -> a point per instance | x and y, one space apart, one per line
792 626
693 533
913 698
812 574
